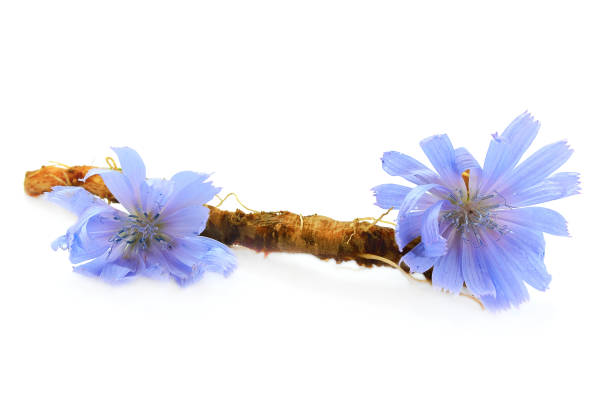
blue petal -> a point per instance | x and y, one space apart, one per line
536 218
184 178
215 256
115 273
558 186
533 240
91 234
408 228
525 249
75 199
435 244
154 194
409 221
194 256
447 269
398 164
502 300
131 165
153 271
186 221
441 154
121 187
390 195
93 267
537 167
417 261
465 160
506 151
86 239
194 193
60 243
415 195
183 266
509 288
475 273
152 264
185 280
521 261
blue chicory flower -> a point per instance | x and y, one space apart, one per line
477 226
158 237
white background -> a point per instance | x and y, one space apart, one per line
291 104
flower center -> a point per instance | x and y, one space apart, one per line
473 215
140 230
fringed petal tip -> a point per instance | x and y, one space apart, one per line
522 125
399 164
577 188
570 181
226 261
494 305
390 195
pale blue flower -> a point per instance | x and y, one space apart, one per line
158 237
480 232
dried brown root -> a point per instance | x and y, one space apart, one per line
281 231
42 180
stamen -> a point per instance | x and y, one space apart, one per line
138 230
470 217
